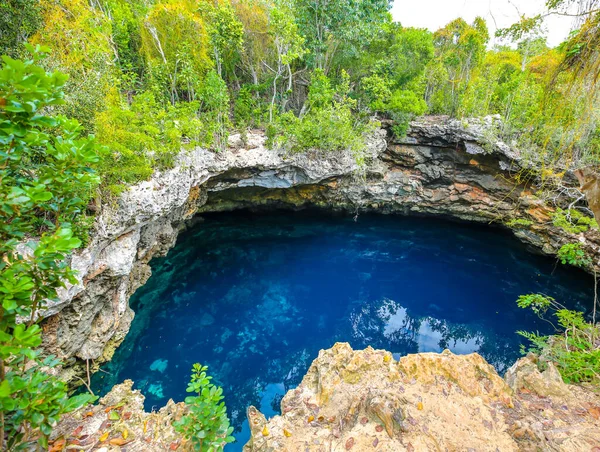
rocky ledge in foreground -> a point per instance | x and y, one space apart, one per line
366 400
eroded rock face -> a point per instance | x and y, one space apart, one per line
443 167
365 400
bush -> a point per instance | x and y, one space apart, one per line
45 183
329 124
401 105
574 254
145 136
248 110
574 352
206 424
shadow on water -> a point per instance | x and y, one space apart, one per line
255 297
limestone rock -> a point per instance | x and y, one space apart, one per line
365 400
118 422
525 375
355 399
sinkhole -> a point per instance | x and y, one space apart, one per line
256 296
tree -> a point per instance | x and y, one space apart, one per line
288 44
225 30
175 41
19 19
85 53
257 46
460 48
45 183
331 26
215 107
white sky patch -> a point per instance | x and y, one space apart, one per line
434 14
428 340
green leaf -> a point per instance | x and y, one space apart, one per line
5 389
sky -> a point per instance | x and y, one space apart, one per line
434 14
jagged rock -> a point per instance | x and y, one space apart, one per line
525 375
362 400
118 422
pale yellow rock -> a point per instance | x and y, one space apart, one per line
360 401
524 374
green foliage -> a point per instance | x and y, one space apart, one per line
146 136
460 49
225 30
215 108
402 107
249 109
175 44
329 124
573 221
81 47
518 223
340 27
206 424
574 254
45 183
574 352
19 19
537 302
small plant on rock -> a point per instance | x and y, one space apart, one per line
206 424
574 254
575 351
573 221
518 223
576 348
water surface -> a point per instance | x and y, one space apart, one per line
255 297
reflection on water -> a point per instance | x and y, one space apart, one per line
256 297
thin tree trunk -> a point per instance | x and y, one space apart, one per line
273 98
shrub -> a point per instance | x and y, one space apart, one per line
329 124
206 424
574 352
145 136
401 105
45 183
574 254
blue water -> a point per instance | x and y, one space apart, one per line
255 297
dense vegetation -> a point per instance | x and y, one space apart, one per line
148 77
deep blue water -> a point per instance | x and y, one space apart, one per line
255 297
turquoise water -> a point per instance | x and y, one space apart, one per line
255 297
